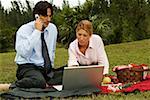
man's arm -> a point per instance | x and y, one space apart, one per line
54 45
26 39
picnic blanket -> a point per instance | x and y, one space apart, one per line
51 92
140 86
34 93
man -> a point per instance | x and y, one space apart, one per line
34 70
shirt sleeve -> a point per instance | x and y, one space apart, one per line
102 57
55 32
26 40
72 56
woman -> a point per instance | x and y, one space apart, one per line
88 48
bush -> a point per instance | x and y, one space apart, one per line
7 39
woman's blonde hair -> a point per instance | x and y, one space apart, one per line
85 25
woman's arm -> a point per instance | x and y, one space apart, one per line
102 56
72 56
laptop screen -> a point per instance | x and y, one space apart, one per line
82 77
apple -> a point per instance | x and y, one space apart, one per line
106 80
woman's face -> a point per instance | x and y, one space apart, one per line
83 37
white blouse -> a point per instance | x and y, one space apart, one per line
94 54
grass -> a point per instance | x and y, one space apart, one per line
118 54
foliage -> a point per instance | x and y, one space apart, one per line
10 21
7 39
70 17
115 21
66 28
129 17
103 28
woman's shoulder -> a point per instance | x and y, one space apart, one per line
73 43
96 37
96 40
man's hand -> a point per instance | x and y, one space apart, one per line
39 24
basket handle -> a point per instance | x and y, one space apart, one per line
139 70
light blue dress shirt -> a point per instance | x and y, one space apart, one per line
28 44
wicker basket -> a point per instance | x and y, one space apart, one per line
131 73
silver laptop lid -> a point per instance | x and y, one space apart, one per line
82 77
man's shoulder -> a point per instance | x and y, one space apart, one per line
52 25
28 25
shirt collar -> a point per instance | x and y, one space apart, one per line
45 30
91 44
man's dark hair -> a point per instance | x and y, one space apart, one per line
41 8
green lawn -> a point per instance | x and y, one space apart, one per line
133 52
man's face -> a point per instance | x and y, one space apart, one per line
46 19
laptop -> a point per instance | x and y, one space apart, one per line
81 77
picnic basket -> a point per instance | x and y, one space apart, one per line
131 73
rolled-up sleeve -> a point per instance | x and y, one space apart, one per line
72 56
102 56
